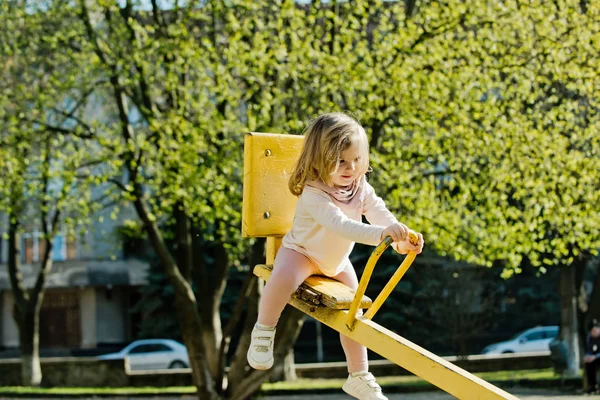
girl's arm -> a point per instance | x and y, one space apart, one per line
377 213
375 210
327 214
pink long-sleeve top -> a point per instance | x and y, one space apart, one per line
325 230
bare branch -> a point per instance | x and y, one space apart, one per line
45 180
86 95
93 36
158 17
58 129
14 264
92 163
146 105
119 184
105 206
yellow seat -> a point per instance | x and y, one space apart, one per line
320 290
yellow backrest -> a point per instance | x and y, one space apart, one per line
268 206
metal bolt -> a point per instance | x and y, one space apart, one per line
266 215
267 152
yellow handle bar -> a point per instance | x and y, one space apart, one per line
389 287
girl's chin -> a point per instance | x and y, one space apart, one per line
341 181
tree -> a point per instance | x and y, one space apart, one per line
171 119
496 136
39 164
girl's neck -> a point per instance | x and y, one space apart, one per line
342 194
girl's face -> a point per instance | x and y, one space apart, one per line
348 168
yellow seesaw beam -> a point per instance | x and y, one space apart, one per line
417 360
268 211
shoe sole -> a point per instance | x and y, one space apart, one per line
259 366
349 393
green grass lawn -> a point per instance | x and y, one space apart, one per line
6 390
301 384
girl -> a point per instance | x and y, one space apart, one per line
333 195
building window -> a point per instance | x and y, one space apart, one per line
33 247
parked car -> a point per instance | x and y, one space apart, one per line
152 354
531 340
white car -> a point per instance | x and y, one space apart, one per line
152 354
532 340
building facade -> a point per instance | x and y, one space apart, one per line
89 292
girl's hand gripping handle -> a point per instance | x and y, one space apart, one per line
405 239
398 232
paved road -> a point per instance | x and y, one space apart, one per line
523 394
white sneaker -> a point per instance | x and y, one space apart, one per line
260 352
363 387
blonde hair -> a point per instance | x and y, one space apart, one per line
326 137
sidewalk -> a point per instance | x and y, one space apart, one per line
521 393
525 380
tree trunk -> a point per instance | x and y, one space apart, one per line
28 323
593 310
288 329
210 305
320 353
247 303
212 335
183 242
28 302
239 363
568 319
189 322
184 256
185 305
25 314
286 370
289 366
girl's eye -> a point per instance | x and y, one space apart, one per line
342 162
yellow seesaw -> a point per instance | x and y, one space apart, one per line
268 211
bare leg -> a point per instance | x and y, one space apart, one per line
356 353
290 269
